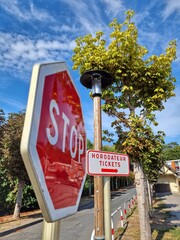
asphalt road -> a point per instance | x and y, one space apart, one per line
76 227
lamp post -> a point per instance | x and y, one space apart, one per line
98 80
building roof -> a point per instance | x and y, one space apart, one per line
165 168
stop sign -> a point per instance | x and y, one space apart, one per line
53 144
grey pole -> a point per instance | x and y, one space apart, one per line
107 208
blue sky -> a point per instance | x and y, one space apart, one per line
37 31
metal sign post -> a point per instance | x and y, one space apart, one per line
107 164
98 79
107 208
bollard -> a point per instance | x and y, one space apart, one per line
112 228
129 205
132 201
92 234
125 212
112 223
121 217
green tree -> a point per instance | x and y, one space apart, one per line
3 182
89 145
11 160
171 153
2 122
170 145
141 84
88 186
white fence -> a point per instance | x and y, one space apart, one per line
122 214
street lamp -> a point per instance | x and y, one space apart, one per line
98 80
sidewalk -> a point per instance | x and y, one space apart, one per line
27 219
172 202
164 221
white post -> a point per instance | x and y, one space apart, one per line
112 228
51 231
125 211
121 217
107 208
92 234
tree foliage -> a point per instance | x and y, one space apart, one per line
171 152
89 144
142 84
170 145
12 169
140 81
8 196
2 121
12 160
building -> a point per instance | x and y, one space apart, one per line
174 164
169 178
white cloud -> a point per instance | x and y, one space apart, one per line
114 7
151 40
89 18
178 53
39 14
89 121
14 8
65 28
169 118
89 124
140 17
19 53
11 103
171 7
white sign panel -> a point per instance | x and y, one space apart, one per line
107 163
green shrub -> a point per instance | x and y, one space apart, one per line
8 189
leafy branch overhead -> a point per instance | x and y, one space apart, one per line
142 83
139 80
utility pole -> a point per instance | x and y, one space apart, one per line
97 80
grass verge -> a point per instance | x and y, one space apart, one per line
160 225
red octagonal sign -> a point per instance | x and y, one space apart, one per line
53 144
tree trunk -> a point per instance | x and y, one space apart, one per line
17 208
145 229
116 179
149 197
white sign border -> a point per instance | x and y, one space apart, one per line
29 138
105 174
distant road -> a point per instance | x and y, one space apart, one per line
75 227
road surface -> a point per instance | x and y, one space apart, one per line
76 227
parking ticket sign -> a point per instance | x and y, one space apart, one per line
107 163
